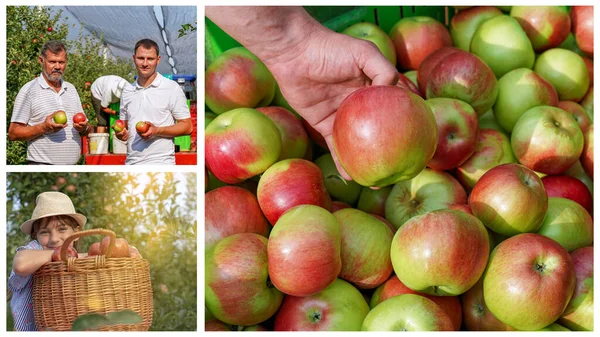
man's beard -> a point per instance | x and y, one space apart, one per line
54 76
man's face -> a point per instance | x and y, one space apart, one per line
146 61
53 65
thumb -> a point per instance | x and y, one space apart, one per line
375 65
343 173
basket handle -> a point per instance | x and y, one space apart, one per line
95 231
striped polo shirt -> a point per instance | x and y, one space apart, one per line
161 103
35 101
21 304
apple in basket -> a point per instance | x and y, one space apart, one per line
121 247
94 249
70 252
134 253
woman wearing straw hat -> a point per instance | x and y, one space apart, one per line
53 220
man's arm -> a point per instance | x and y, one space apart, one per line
181 128
23 132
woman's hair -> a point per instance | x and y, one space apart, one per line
37 226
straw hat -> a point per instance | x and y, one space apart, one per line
50 204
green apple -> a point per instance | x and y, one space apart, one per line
579 314
577 171
476 315
554 327
412 76
373 200
340 189
488 121
464 24
546 26
503 45
371 32
587 155
587 103
60 117
566 71
407 312
568 223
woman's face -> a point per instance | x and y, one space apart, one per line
53 232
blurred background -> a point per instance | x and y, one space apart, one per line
155 212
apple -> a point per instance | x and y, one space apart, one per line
547 140
408 312
365 248
314 135
338 187
476 315
587 103
509 199
503 45
428 191
339 307
442 252
294 139
412 76
142 127
466 77
304 251
564 186
394 287
134 253
60 117
94 249
492 149
416 37
429 63
579 314
576 171
337 205
488 121
240 144
50 29
71 252
587 155
458 128
406 83
589 63
237 79
79 117
230 210
566 71
237 287
373 201
215 325
546 26
384 220
578 113
518 91
553 327
525 267
464 24
383 134
567 223
371 32
121 248
289 183
119 125
582 22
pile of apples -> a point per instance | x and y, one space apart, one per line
121 249
470 205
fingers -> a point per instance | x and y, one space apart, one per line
343 173
375 65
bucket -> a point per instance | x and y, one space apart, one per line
119 146
98 143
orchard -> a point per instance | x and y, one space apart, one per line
470 204
27 29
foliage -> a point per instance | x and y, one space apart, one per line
187 28
27 29
155 212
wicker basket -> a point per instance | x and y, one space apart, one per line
64 290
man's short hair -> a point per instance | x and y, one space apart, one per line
54 46
147 44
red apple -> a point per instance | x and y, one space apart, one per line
337 205
71 252
547 140
365 249
50 29
567 223
237 79
464 24
142 127
509 199
546 26
529 281
119 125
589 63
476 315
94 249
406 83
430 190
442 252
582 22
587 155
579 314
289 183
461 207
339 307
383 134
79 117
568 187
492 149
578 113
429 63
394 287
294 139
237 287
463 76
121 248
576 171
416 37
458 128
240 144
304 251
230 210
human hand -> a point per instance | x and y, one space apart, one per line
109 111
316 76
81 127
123 135
50 125
152 131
